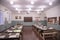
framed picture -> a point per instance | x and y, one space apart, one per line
16 17
52 20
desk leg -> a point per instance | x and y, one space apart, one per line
43 37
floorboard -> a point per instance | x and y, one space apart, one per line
28 34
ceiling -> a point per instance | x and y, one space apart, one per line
29 5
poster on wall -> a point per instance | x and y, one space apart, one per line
1 18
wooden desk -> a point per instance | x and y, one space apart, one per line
50 35
13 30
9 36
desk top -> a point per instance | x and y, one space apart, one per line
14 29
9 35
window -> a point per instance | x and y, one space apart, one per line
1 18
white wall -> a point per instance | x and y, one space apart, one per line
11 16
6 13
32 14
53 12
59 10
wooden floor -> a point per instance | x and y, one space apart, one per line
28 34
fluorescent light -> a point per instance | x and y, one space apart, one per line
29 9
29 6
41 9
50 3
16 6
11 2
32 2
42 6
18 9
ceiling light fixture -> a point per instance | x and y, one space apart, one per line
17 9
42 9
16 6
32 2
11 2
42 6
29 6
50 3
29 9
